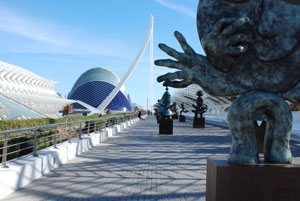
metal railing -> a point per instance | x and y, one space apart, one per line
19 142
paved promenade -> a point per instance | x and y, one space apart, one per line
138 164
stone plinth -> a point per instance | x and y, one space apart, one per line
166 126
262 182
175 116
199 122
181 118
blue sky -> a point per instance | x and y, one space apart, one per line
61 39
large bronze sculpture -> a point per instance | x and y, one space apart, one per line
252 50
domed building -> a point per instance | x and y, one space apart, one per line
93 86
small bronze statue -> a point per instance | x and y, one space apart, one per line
252 50
174 111
200 108
181 116
165 120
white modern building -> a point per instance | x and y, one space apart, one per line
216 105
25 95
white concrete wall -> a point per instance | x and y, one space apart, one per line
27 168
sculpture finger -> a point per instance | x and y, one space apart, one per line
184 45
216 31
236 50
170 63
177 84
235 26
237 39
220 25
173 53
173 76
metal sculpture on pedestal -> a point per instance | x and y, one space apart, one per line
181 116
200 108
174 111
165 120
252 50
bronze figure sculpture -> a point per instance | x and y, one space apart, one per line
165 120
200 107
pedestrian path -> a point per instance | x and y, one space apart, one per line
137 164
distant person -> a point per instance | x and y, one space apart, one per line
140 115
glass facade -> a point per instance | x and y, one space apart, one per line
93 86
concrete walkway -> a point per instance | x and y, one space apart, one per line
138 164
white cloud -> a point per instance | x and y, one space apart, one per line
42 36
33 29
178 8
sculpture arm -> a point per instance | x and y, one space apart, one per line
195 69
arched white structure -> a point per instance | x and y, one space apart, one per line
151 73
109 98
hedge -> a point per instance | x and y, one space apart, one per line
15 124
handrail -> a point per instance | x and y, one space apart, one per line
29 140
57 124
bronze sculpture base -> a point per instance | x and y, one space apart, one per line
166 126
261 182
175 116
181 118
199 122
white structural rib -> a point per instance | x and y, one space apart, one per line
151 73
109 98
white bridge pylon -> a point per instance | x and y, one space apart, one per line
137 59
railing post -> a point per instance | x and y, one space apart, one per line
55 137
69 133
4 151
80 129
35 143
98 123
88 127
60 138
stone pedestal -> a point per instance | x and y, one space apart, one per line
166 126
260 135
175 116
261 182
181 118
199 122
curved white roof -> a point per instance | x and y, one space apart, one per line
19 80
188 96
